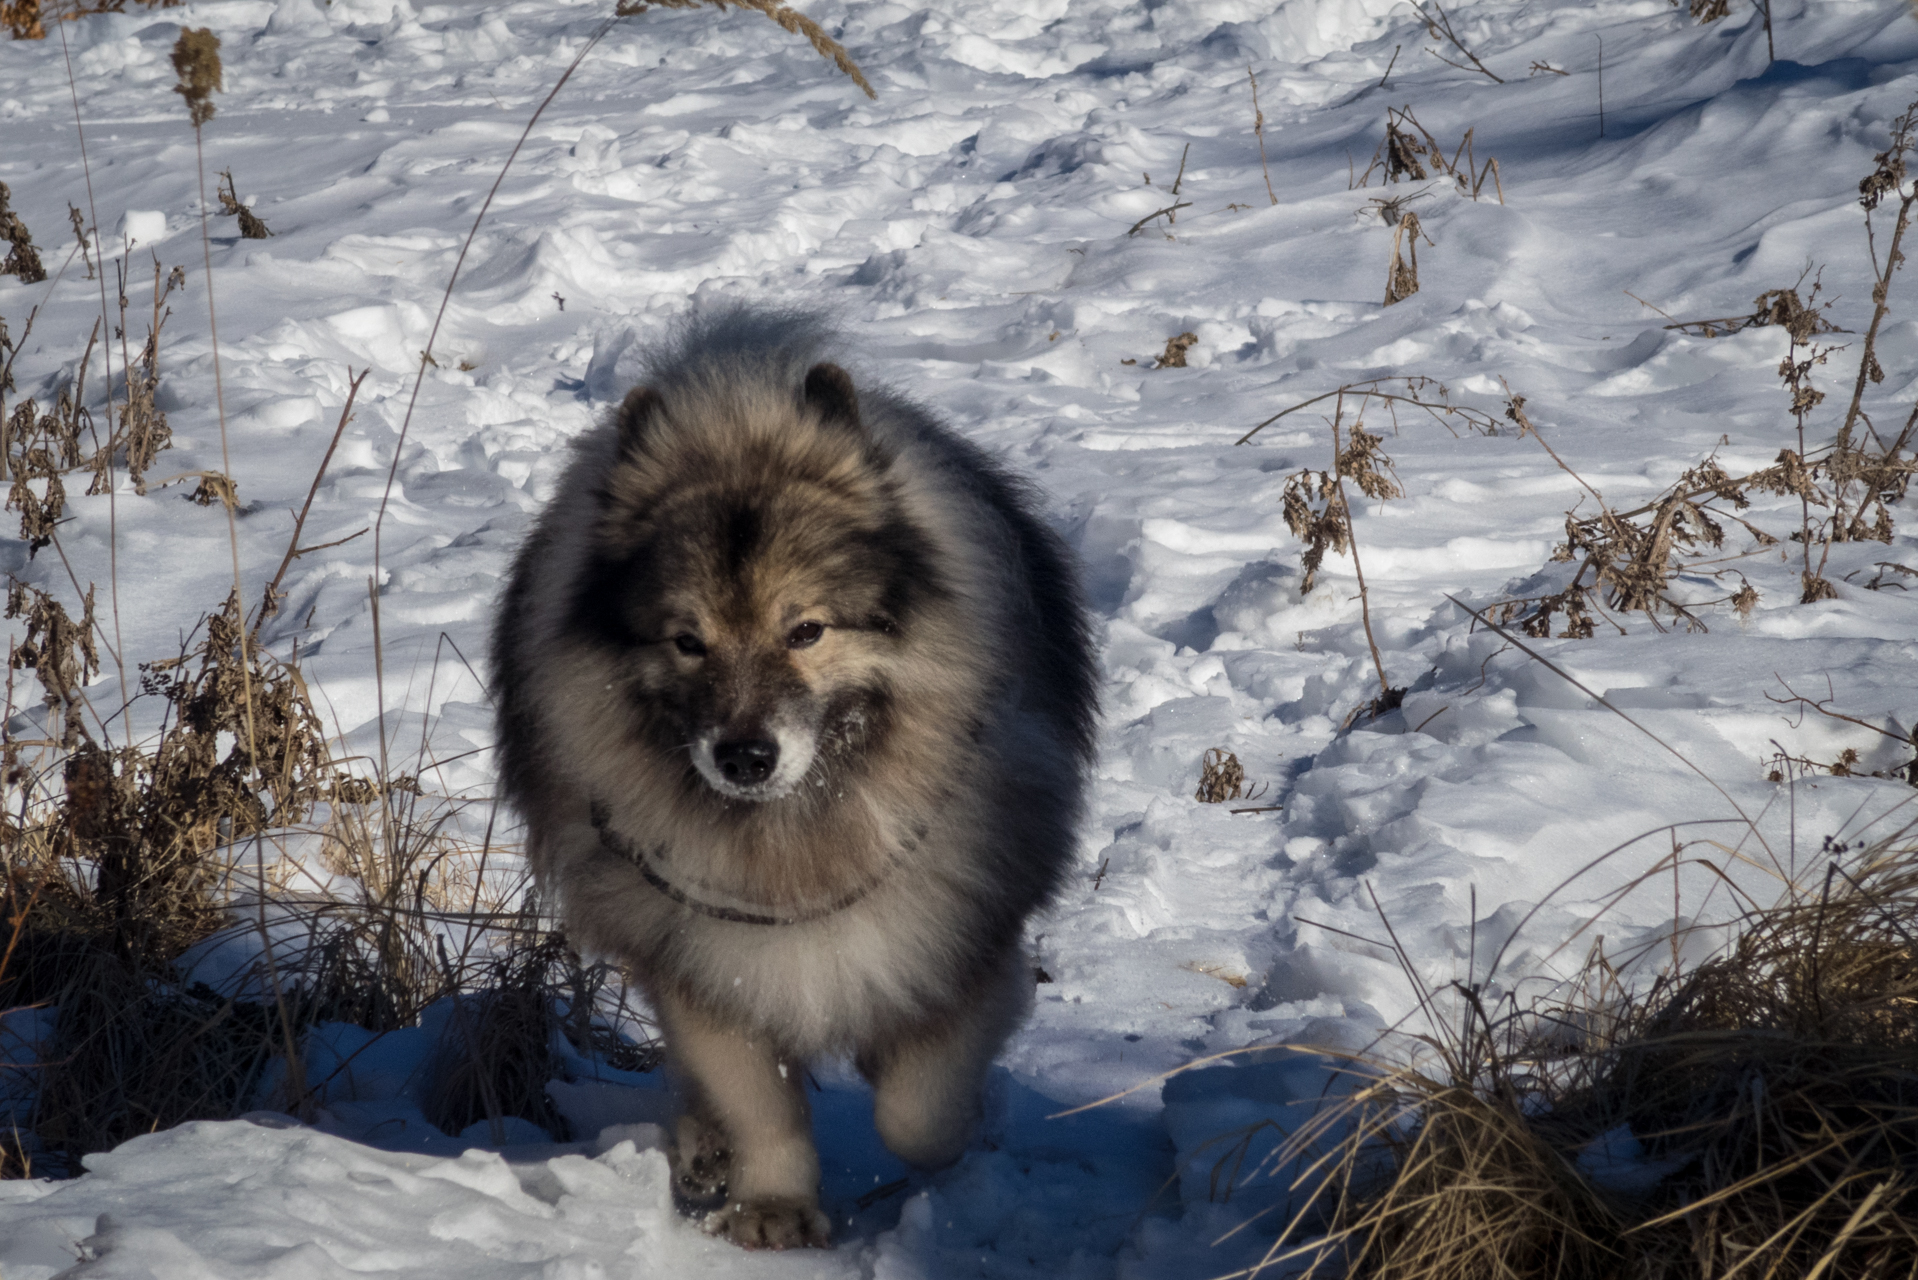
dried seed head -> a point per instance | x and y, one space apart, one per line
196 60
22 259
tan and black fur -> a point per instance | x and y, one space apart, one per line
796 698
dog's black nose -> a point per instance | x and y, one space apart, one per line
746 762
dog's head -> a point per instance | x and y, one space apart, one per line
756 579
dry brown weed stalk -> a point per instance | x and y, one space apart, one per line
1409 152
1258 131
1320 517
22 259
251 226
1402 277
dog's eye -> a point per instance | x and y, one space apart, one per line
805 635
689 644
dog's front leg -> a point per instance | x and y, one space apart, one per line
927 1079
754 1097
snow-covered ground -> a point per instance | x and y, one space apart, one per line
970 230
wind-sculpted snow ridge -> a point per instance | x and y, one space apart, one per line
970 229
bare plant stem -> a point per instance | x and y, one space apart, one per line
1352 540
1167 213
226 456
295 1064
269 599
1258 131
1439 408
1881 305
446 298
113 506
1868 369
1441 29
1519 644
1172 216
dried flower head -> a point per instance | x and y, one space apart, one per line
196 60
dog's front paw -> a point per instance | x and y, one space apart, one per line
701 1163
772 1224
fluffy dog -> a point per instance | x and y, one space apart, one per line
796 696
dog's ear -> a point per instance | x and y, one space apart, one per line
636 415
830 394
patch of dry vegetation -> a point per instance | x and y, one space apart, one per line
1765 1102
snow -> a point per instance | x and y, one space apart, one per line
969 229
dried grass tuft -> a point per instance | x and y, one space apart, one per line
497 1056
39 448
1779 1079
1467 1190
21 18
1780 307
1314 501
134 1052
1769 1093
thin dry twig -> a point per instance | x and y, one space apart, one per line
270 598
1258 131
1440 28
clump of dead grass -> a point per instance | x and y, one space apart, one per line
1767 1096
497 1056
1629 560
1779 1079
